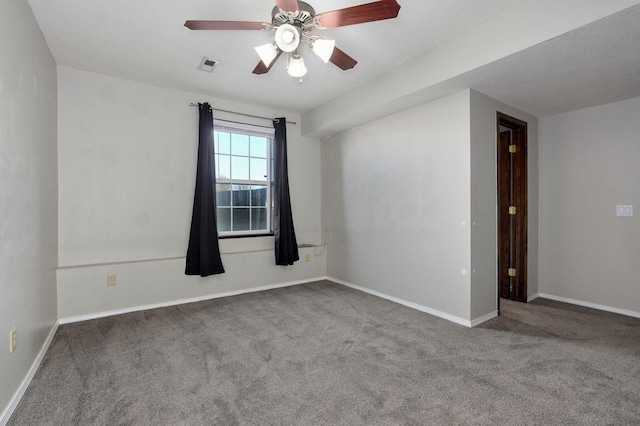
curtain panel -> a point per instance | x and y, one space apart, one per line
286 248
203 254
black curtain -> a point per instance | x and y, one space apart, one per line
286 245
203 254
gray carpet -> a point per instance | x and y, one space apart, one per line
324 354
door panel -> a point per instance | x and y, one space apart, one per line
504 220
512 209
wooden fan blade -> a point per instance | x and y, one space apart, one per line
376 11
287 5
342 60
261 68
224 25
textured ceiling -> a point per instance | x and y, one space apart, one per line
596 64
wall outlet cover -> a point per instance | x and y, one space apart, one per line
111 280
624 210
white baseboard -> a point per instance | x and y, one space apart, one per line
422 308
533 297
103 314
591 305
484 318
4 419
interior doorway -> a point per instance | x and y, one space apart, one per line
512 208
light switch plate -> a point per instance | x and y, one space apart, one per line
624 210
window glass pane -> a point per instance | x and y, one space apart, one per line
258 147
224 219
223 144
239 144
258 169
243 158
223 169
241 219
259 219
258 196
241 195
239 168
223 194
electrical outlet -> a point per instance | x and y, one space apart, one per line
111 280
13 339
307 257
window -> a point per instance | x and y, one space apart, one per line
243 181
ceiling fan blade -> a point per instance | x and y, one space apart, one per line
261 68
342 60
287 5
376 11
225 25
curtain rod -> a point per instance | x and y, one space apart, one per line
246 115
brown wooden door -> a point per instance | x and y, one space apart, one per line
512 208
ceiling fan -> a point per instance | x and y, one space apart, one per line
294 22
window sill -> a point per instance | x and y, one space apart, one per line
231 237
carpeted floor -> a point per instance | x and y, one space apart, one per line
324 354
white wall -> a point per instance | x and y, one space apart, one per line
589 162
484 289
395 205
28 194
127 157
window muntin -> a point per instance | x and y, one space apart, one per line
243 181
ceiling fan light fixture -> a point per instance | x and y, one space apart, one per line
324 49
296 66
287 38
267 53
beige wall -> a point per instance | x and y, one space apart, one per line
127 158
589 163
28 195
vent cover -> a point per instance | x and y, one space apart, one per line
207 64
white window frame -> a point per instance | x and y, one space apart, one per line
249 130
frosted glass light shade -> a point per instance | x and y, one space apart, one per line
267 53
287 38
297 67
324 49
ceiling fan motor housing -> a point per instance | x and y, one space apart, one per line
302 18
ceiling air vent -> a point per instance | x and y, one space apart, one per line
207 64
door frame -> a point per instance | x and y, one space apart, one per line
503 120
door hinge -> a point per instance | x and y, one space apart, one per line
512 209
512 149
512 272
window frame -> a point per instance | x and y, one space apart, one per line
250 130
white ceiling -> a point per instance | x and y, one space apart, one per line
145 40
593 65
